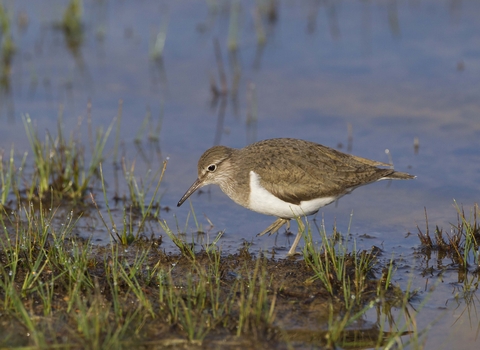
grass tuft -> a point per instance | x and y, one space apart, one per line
461 244
60 166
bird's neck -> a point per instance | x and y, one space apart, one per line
234 182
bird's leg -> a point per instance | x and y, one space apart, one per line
277 224
301 229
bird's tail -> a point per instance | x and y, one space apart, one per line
397 175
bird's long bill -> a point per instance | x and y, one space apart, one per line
196 185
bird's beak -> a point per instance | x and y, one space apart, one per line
196 185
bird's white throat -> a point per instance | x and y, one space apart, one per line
262 201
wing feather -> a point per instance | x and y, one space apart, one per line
296 170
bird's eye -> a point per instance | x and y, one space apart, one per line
212 168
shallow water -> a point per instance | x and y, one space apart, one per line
390 71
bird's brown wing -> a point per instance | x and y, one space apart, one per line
295 170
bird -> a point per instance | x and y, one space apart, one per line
286 177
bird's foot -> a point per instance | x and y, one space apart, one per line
277 224
293 255
301 229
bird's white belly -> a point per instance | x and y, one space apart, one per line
262 201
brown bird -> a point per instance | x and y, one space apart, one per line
286 178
